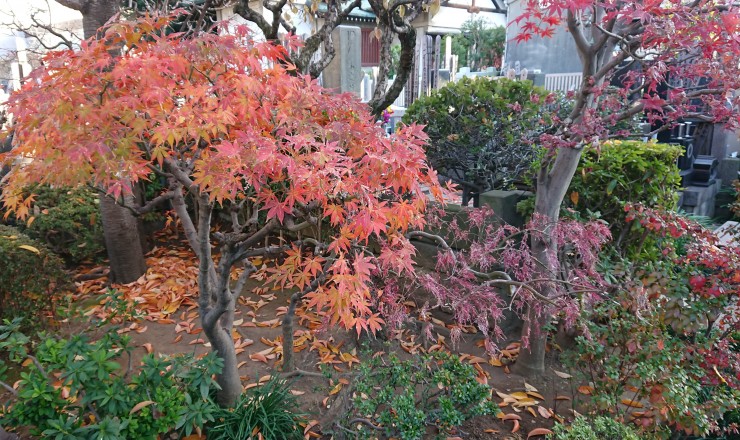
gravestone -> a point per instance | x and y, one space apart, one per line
344 73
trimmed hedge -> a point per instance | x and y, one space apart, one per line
480 130
30 275
620 172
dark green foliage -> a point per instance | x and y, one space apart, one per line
479 45
404 397
30 275
77 389
68 221
269 409
598 428
622 172
481 130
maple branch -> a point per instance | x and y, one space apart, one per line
291 225
202 15
243 9
441 242
64 41
180 175
323 35
10 389
584 49
150 205
178 202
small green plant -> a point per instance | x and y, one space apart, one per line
598 428
76 388
31 277
269 409
68 221
401 398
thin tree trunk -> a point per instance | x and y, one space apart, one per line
288 319
552 186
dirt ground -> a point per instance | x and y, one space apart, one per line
170 325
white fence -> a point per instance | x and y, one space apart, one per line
563 82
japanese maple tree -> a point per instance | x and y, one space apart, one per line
690 49
230 124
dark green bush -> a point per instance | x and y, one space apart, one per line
77 389
404 397
269 409
620 172
30 275
68 222
481 130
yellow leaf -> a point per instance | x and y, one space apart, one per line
574 197
29 248
495 362
336 389
141 405
536 395
519 395
632 403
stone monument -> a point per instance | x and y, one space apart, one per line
344 73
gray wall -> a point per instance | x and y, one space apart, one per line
551 55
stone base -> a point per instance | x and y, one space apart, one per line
699 200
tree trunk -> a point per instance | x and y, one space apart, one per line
120 227
552 186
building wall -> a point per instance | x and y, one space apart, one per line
551 55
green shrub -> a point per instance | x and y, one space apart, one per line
620 172
480 130
68 222
31 275
599 428
76 389
269 409
404 397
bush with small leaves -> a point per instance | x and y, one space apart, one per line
68 221
598 428
31 276
76 388
481 130
620 172
402 398
269 409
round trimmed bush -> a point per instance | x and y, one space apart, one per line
30 275
481 130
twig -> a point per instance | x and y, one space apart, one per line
10 389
